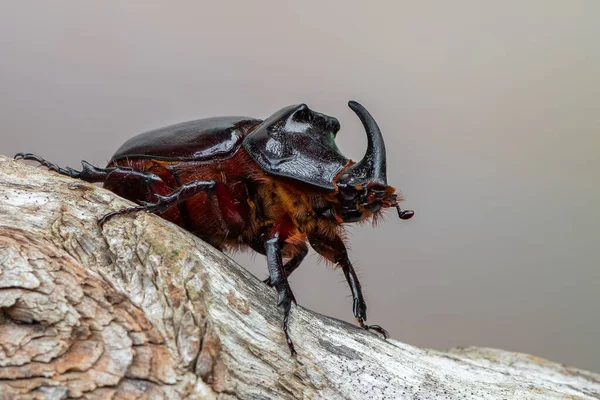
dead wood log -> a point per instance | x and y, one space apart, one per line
143 309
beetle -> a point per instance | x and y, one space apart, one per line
270 185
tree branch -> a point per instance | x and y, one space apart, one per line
143 308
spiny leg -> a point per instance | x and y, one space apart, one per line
121 180
285 297
50 165
359 306
163 203
118 175
335 251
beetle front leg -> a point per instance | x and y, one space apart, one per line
291 265
359 306
335 251
278 277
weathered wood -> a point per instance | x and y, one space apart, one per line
144 309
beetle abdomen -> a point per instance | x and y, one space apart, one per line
203 139
221 218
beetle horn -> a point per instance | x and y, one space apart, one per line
373 165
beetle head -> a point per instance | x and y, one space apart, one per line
298 143
362 189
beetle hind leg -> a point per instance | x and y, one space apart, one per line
131 183
163 203
50 165
88 173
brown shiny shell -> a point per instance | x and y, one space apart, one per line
203 139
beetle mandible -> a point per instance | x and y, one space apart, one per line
272 186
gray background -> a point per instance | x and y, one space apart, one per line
490 110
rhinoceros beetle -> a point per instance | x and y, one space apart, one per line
271 185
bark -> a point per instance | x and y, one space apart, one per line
143 309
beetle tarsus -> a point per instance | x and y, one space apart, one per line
278 277
106 217
51 166
89 172
288 339
285 298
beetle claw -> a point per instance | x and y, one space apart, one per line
144 207
378 329
375 328
106 217
286 298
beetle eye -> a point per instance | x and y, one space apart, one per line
344 179
302 114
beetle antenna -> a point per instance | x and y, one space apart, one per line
404 214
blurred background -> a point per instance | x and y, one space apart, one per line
490 111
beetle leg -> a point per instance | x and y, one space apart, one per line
163 203
92 174
285 297
335 251
51 166
119 179
293 263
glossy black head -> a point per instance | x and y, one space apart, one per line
362 189
298 143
